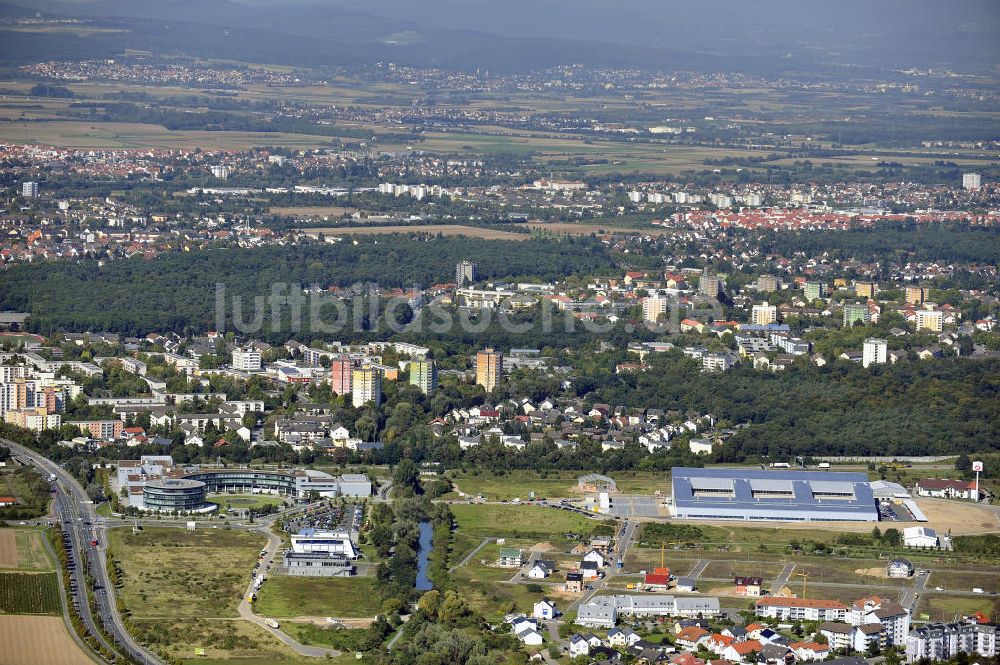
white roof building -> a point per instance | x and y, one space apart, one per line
920 536
544 609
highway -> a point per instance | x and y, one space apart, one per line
78 518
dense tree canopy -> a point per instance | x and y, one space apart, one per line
178 291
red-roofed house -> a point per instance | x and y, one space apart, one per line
689 325
739 651
656 582
717 643
692 636
809 650
947 488
686 659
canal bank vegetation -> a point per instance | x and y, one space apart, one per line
394 531
445 630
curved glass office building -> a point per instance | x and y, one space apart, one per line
181 494
245 481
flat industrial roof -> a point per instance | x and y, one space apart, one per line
757 490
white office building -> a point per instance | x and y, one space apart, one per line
29 190
603 611
309 541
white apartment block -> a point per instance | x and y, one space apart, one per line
717 362
894 618
9 373
874 352
246 360
941 641
801 609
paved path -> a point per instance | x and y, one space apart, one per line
699 568
782 578
395 637
468 556
625 539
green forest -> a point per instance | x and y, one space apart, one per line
177 292
902 240
920 408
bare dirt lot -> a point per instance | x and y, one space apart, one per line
8 549
959 517
587 229
57 647
443 229
943 515
310 211
873 572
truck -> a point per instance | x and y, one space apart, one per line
52 477
272 623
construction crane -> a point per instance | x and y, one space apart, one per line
805 578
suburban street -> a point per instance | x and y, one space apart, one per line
782 578
911 596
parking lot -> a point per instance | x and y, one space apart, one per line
890 512
329 517
634 505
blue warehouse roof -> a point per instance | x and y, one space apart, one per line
720 493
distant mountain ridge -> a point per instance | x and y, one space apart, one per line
769 36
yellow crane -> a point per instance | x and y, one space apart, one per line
805 578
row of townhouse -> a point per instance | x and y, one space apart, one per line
604 611
310 428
